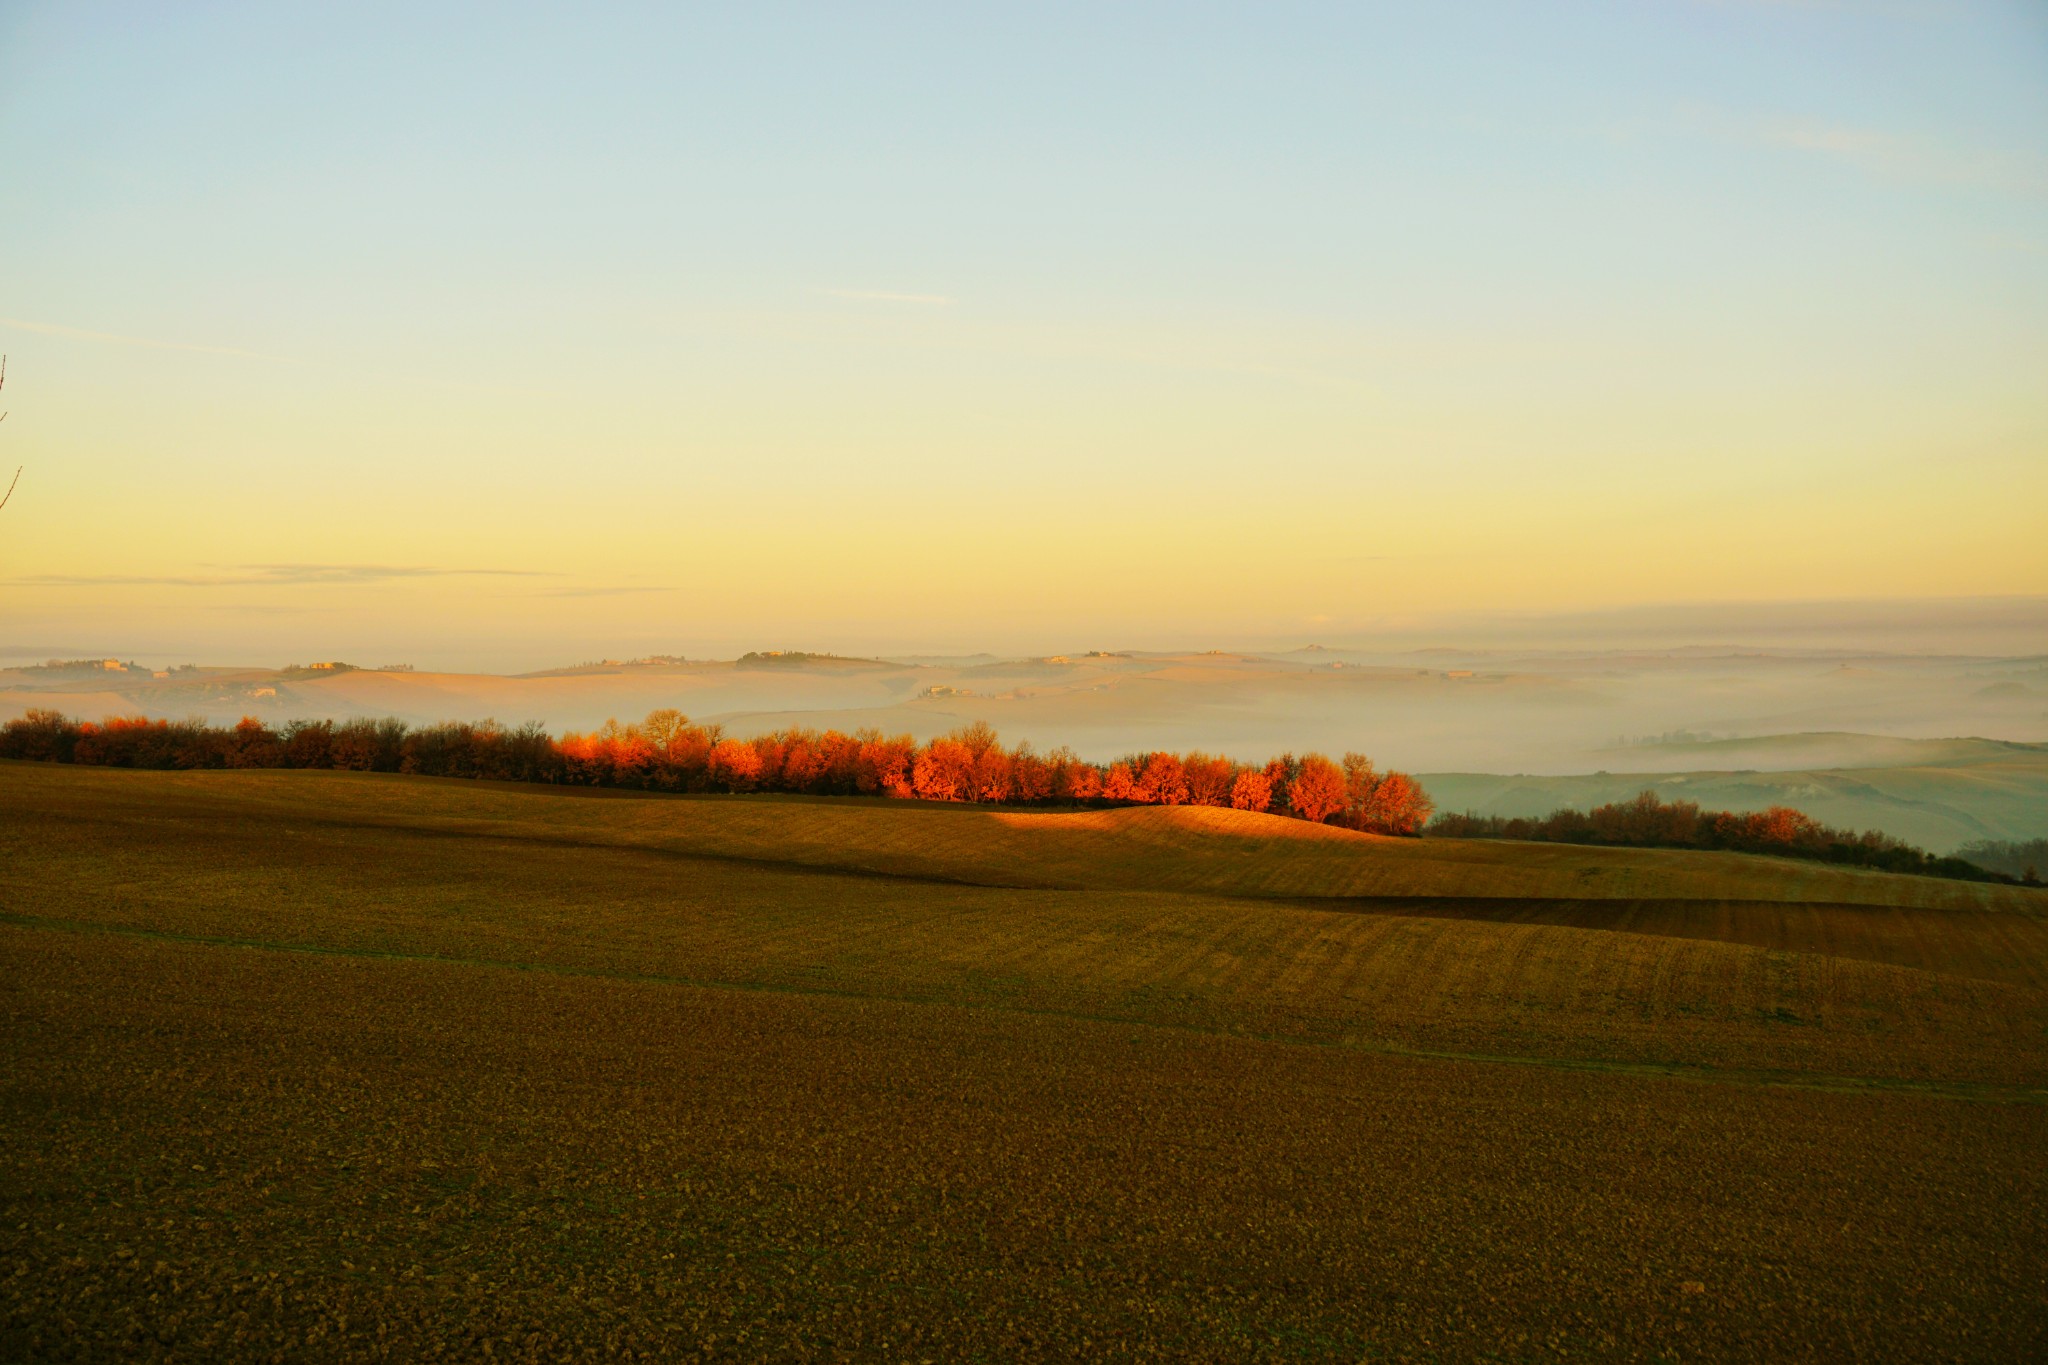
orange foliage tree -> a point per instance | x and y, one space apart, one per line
885 765
944 771
1209 779
735 764
1117 784
1252 790
1161 782
993 772
1399 806
1317 791
1084 782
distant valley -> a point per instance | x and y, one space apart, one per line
1938 750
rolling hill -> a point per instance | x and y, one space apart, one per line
306 1057
1938 794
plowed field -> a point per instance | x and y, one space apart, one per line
313 1066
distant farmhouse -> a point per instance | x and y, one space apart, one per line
85 666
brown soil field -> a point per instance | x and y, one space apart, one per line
311 1066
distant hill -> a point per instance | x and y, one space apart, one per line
1813 749
1939 794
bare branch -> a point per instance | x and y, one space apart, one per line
3 417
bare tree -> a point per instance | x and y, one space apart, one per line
3 417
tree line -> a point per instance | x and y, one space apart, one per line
1650 822
667 752
2022 858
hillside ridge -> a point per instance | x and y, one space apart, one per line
1188 849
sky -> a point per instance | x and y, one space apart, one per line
502 336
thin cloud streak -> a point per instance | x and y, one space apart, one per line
1893 156
58 329
1907 158
371 573
1885 9
269 576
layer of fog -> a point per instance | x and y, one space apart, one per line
1440 710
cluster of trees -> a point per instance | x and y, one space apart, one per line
2022 858
1649 822
666 752
390 746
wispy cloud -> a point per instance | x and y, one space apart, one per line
1886 9
373 573
57 329
268 576
1893 156
2025 245
1904 157
889 296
